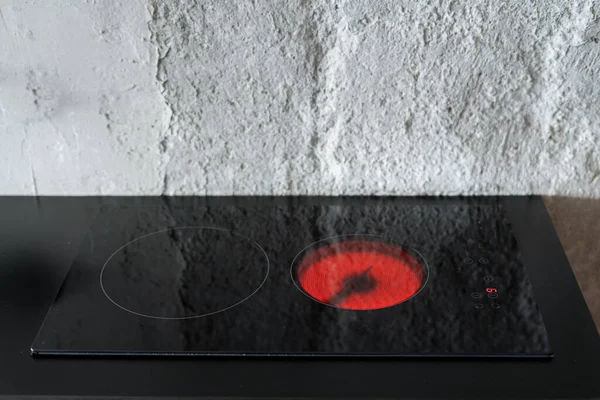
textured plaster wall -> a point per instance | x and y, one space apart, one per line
330 97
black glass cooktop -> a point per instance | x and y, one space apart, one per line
377 277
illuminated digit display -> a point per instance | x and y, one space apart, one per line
491 290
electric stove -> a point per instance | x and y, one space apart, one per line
188 277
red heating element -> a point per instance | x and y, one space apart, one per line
360 274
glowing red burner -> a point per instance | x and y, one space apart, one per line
360 274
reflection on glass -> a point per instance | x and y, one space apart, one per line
365 277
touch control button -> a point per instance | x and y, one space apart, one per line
495 305
484 261
476 295
488 278
493 295
468 261
478 305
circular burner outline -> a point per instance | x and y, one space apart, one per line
425 267
193 316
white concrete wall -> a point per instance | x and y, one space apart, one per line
327 97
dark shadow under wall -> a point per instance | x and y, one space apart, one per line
577 222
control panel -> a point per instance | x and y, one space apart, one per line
485 293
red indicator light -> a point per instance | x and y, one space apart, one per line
491 290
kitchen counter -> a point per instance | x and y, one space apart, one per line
577 222
40 236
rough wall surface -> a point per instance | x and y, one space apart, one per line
323 97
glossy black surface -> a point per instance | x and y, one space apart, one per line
40 237
171 274
190 278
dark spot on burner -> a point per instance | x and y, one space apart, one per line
355 283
